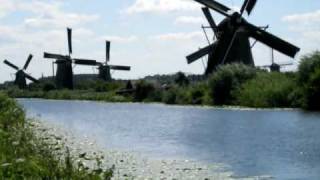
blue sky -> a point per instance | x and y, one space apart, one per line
153 36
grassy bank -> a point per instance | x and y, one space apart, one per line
23 155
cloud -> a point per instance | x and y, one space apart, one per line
178 36
6 7
189 20
307 28
121 39
141 6
50 15
311 17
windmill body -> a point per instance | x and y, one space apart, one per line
240 51
21 75
232 37
20 80
104 73
64 74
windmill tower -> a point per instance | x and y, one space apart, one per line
232 34
21 75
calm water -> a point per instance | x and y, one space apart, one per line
284 144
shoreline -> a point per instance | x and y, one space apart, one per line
124 164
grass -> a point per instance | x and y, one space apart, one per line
23 155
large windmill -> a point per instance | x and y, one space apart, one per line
232 37
105 68
21 75
64 73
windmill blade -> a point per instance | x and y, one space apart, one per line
273 41
86 62
220 8
53 56
11 65
121 68
31 78
27 62
210 19
248 5
108 45
244 5
200 53
69 40
251 4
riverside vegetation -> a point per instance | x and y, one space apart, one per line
23 155
230 85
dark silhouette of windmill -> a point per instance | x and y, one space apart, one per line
64 73
21 75
275 67
232 37
104 68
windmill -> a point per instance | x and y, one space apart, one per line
104 68
64 73
232 37
275 67
21 75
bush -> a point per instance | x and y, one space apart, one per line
267 90
227 79
143 90
181 79
48 87
309 80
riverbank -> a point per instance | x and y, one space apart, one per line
24 155
126 165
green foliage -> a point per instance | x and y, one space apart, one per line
308 78
48 87
267 90
181 79
25 156
226 80
143 90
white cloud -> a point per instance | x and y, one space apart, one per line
50 15
189 20
311 17
179 36
140 6
6 7
121 39
307 28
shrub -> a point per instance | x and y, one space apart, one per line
308 79
227 79
48 87
267 90
181 79
143 90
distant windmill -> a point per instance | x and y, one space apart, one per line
232 34
64 73
21 75
104 68
275 67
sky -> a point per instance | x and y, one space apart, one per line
151 36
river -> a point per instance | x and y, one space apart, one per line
284 144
